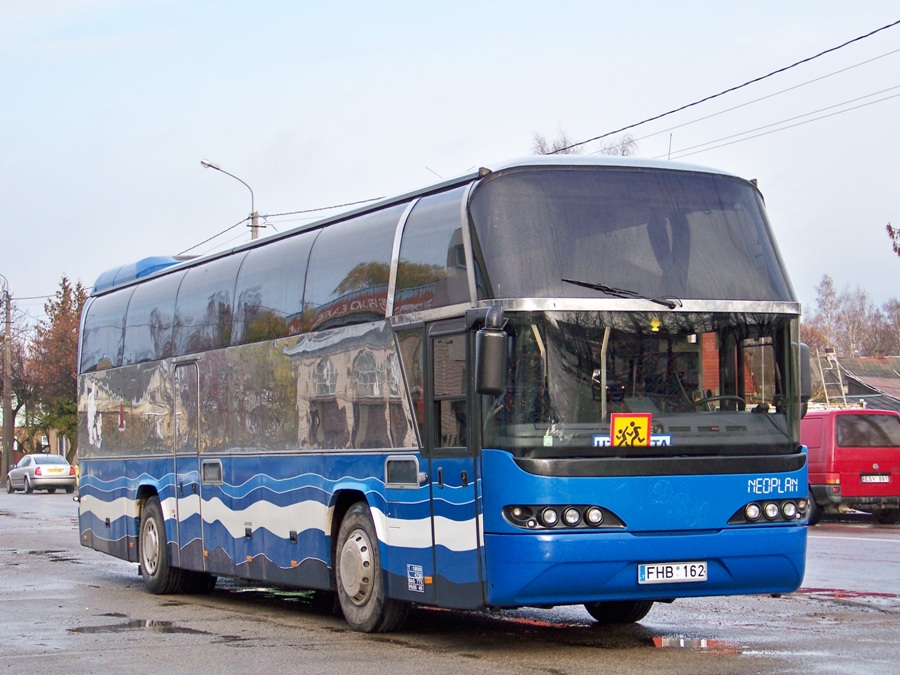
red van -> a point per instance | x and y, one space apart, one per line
854 462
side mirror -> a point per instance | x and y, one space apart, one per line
491 347
805 379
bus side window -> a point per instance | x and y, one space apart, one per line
450 391
347 280
432 262
151 316
204 306
104 331
268 297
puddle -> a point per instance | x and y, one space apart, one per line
696 645
138 624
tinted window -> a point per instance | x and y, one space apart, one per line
449 375
653 232
151 314
203 308
868 431
432 266
349 269
104 328
269 294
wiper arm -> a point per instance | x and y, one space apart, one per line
671 303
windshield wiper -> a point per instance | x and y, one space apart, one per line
671 303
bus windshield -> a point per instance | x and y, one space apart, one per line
658 234
713 384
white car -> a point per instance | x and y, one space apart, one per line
41 472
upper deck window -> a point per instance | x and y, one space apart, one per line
432 266
651 231
104 332
349 269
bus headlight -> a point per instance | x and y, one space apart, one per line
771 510
789 509
571 516
549 517
594 516
752 512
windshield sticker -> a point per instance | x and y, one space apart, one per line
630 429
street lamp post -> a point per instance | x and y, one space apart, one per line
254 216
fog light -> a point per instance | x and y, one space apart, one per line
549 517
751 512
801 505
518 512
594 516
771 510
571 516
789 509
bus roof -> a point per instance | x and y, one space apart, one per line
125 275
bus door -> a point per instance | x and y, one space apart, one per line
454 505
187 481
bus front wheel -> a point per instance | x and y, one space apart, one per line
619 611
159 577
359 577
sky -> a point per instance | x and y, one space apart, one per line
108 106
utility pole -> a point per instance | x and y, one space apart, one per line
8 427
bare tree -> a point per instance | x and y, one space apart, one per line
624 146
561 145
848 322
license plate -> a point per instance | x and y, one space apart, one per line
876 478
56 470
672 573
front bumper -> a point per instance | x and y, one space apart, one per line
561 569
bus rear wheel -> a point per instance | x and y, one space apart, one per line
159 576
359 576
619 611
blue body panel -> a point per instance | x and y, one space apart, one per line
668 519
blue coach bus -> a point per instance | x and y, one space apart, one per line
556 381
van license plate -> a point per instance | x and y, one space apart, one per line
671 573
876 478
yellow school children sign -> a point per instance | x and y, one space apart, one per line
630 429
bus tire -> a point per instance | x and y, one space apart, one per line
619 611
887 516
159 576
359 576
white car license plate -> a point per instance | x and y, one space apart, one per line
876 478
672 573
56 470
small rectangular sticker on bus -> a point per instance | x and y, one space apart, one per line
602 441
415 578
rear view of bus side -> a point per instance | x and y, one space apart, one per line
555 381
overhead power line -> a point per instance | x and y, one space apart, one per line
730 89
684 152
766 97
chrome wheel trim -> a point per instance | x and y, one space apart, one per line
150 547
356 567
